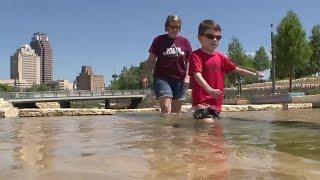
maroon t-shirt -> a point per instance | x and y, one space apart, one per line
213 68
172 55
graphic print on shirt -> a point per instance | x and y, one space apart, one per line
173 51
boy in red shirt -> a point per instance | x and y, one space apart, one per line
207 71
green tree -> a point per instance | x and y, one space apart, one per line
146 72
5 88
314 63
250 66
261 60
238 55
128 79
131 78
39 87
291 47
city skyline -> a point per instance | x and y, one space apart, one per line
110 35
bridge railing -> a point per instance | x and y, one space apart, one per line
75 93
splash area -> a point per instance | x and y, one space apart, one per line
246 145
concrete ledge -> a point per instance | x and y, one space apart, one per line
300 106
63 112
10 112
185 108
234 108
314 99
48 105
278 98
260 107
2 113
272 99
77 112
137 110
266 107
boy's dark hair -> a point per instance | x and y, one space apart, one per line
208 24
171 18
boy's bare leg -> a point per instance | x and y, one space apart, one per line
210 121
176 106
165 106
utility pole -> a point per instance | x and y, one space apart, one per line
114 76
273 68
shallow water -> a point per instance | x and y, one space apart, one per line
246 145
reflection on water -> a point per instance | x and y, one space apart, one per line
246 145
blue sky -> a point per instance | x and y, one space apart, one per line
108 35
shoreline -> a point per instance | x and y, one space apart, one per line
52 112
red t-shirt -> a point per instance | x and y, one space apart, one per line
172 55
213 68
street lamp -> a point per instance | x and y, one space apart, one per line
273 68
114 76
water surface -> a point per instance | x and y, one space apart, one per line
246 145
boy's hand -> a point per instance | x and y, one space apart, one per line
215 93
260 75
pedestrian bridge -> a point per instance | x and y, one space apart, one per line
29 99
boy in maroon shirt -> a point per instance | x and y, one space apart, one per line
207 71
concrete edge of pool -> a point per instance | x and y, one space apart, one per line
51 112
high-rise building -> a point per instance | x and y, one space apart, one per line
88 81
40 43
25 66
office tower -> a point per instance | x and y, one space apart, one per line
40 43
88 81
25 66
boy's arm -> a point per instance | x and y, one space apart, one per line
151 61
245 72
203 83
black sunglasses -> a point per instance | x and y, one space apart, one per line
212 36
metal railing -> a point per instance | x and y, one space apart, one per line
78 93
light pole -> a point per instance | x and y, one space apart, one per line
239 84
273 68
114 76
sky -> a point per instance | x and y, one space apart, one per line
109 35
